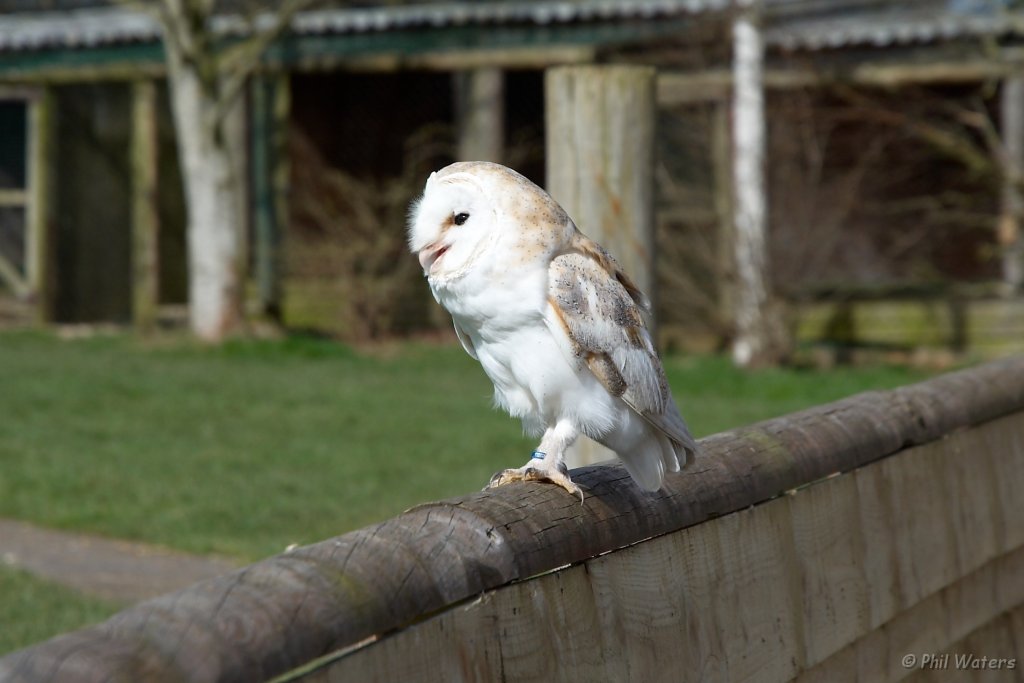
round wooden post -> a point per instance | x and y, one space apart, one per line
145 206
480 109
600 168
268 149
39 246
1009 229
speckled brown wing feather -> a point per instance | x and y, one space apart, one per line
582 244
599 309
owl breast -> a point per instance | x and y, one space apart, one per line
535 375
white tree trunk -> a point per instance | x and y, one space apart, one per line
752 330
215 210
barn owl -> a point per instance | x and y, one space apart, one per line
553 320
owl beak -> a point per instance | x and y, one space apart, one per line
430 254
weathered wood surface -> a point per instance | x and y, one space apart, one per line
145 205
870 561
39 247
987 327
270 98
939 623
284 612
1001 639
599 142
1008 232
599 148
480 114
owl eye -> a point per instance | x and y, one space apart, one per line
461 218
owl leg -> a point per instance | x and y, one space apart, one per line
547 463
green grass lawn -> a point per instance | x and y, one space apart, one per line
245 449
32 609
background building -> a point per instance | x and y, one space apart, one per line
894 145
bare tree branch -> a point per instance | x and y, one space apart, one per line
188 36
240 61
979 119
183 27
952 143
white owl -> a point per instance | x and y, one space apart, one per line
554 322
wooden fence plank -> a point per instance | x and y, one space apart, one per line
788 587
831 551
1001 640
875 517
1009 471
289 610
934 625
925 553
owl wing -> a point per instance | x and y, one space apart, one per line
599 309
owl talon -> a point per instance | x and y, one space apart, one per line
558 477
504 477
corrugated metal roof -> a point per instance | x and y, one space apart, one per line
111 25
898 24
792 24
76 29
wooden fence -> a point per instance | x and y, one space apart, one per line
832 544
981 325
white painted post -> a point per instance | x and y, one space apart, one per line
752 342
600 168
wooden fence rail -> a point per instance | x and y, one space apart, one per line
828 545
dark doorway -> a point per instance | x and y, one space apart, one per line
92 207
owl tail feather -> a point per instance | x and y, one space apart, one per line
651 458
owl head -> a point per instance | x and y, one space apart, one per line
471 207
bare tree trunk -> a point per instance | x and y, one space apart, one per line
207 84
756 335
214 212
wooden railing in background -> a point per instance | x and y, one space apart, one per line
831 544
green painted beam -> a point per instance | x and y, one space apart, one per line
108 61
128 61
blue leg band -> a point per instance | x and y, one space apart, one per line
538 455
